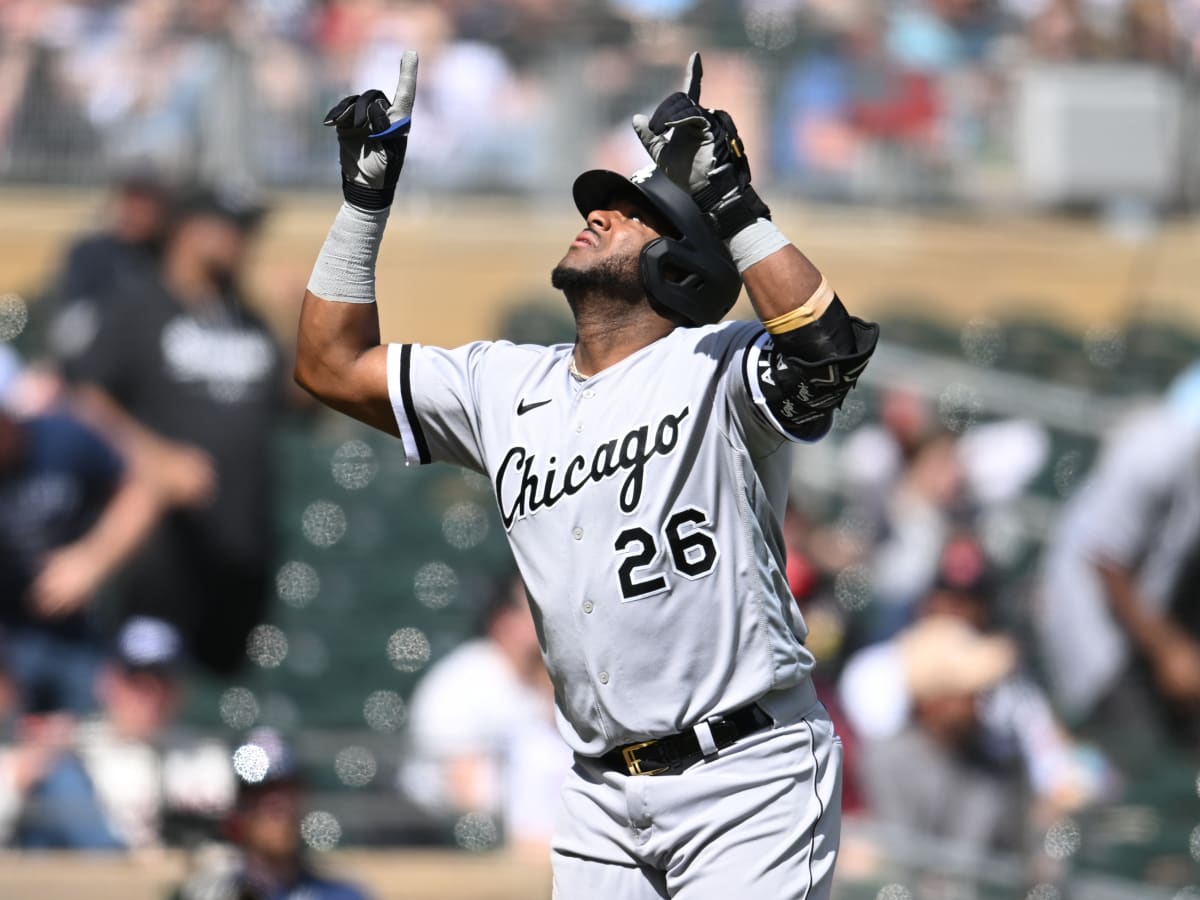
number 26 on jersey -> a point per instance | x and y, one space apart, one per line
685 547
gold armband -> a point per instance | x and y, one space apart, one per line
807 312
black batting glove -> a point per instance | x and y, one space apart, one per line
373 138
702 152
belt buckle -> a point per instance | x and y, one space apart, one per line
633 764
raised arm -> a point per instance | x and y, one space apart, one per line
817 349
339 358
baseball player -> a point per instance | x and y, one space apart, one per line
641 475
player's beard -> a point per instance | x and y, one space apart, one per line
611 285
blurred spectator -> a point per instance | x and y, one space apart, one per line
875 455
998 459
894 102
910 485
814 143
479 125
122 774
481 730
920 734
127 247
1121 663
71 513
1063 30
1150 33
125 250
179 368
26 753
44 135
921 510
264 859
944 710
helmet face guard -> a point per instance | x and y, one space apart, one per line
690 273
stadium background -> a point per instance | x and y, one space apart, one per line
1014 201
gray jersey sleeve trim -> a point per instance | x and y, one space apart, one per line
400 394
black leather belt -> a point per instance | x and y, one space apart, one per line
672 754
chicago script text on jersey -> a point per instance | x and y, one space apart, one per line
521 491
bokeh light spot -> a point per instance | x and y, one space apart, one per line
1194 843
852 587
894 892
476 831
464 525
297 584
408 649
323 523
355 766
250 762
958 407
770 26
1104 346
384 711
354 465
1063 839
1044 892
267 646
14 316
320 830
238 708
855 526
982 341
436 585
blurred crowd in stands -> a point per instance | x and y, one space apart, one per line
137 497
136 546
846 99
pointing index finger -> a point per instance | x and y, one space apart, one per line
691 78
406 87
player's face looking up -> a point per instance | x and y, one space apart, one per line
603 262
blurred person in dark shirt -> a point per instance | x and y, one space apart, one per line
264 858
128 245
71 513
178 368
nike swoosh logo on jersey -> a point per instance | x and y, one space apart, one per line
524 407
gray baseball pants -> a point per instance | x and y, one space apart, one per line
762 819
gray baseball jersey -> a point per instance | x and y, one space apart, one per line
643 506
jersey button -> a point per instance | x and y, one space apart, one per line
588 606
603 676
589 394
577 534
579 428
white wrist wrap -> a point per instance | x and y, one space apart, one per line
345 267
755 243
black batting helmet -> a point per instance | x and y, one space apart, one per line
689 273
